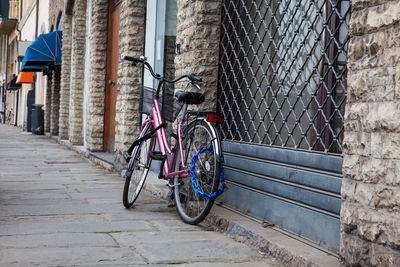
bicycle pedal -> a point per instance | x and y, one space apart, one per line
157 155
127 157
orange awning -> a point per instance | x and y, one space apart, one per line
25 77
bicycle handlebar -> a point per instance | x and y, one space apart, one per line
135 60
192 77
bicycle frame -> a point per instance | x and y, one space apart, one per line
156 119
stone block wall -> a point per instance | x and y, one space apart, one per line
370 214
55 100
47 109
55 7
98 51
65 77
131 43
198 35
76 99
52 108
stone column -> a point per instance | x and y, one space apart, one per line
65 77
198 35
47 109
55 101
98 53
370 214
131 43
77 73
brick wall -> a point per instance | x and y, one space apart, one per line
370 225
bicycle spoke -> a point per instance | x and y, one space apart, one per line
197 207
138 168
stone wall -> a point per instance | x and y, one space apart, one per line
76 98
198 35
370 215
55 100
47 110
131 43
98 50
55 7
52 108
65 77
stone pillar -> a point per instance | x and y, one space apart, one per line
370 214
65 77
47 109
77 73
198 35
131 43
98 51
55 101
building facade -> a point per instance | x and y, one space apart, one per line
27 19
370 192
307 89
8 67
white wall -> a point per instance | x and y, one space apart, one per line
28 30
41 81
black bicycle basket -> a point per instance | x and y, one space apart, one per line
169 106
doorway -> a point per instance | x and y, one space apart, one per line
114 10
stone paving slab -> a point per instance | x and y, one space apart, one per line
176 224
141 215
26 196
56 219
220 264
181 247
74 227
58 240
73 256
195 251
44 201
58 209
172 237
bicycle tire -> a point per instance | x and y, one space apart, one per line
138 168
191 207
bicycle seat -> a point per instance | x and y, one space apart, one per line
189 97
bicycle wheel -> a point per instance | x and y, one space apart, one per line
192 207
138 168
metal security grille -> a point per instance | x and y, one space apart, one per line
283 72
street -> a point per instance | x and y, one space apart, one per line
58 209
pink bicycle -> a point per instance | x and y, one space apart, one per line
192 167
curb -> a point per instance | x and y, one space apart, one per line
288 249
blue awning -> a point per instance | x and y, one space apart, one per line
44 51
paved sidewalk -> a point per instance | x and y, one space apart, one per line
58 209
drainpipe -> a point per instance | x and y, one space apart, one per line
36 35
19 64
37 19
16 109
18 91
5 91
